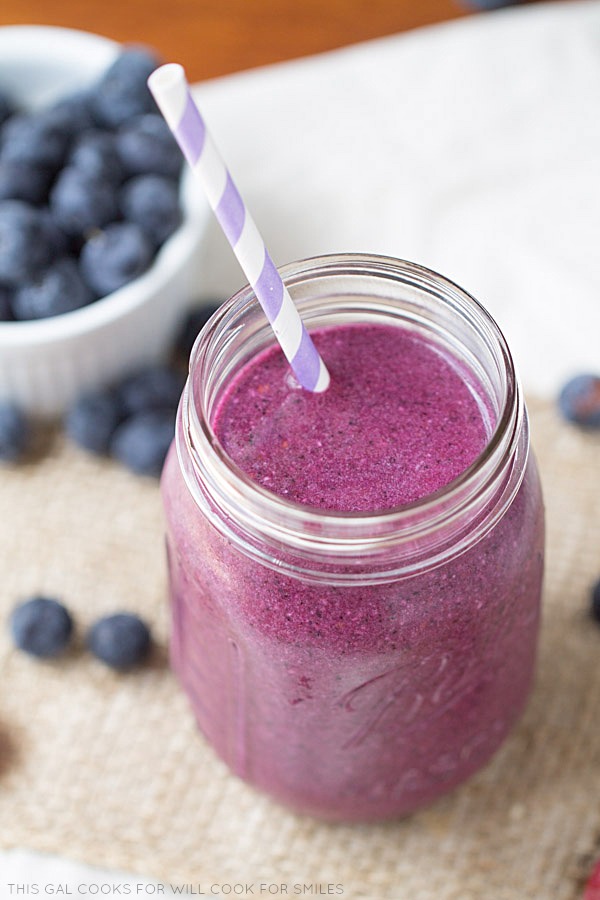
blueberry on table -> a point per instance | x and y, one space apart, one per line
24 181
191 328
146 146
36 138
156 387
95 154
152 202
488 4
81 203
115 256
41 626
595 601
93 419
122 92
25 245
14 433
141 443
121 641
579 400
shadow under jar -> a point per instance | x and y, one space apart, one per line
355 664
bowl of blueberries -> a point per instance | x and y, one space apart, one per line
100 225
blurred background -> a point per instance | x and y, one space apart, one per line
213 37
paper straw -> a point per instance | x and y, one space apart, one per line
172 94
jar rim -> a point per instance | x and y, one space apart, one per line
346 532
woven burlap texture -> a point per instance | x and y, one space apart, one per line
110 769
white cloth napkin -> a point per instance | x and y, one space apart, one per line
471 147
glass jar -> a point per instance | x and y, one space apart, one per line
413 653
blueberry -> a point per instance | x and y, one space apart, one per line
23 181
146 146
58 289
93 420
115 257
595 604
74 112
57 239
41 626
80 203
95 155
193 324
14 433
489 4
579 400
152 202
142 441
5 304
38 139
157 387
25 247
121 641
7 108
122 92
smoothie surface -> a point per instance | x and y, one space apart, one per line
399 421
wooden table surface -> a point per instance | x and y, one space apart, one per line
215 37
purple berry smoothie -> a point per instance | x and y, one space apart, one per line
358 701
398 422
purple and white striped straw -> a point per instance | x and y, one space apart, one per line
172 94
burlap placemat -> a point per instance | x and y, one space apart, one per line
110 770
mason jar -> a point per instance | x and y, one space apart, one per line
355 666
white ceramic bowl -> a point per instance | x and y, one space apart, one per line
46 363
